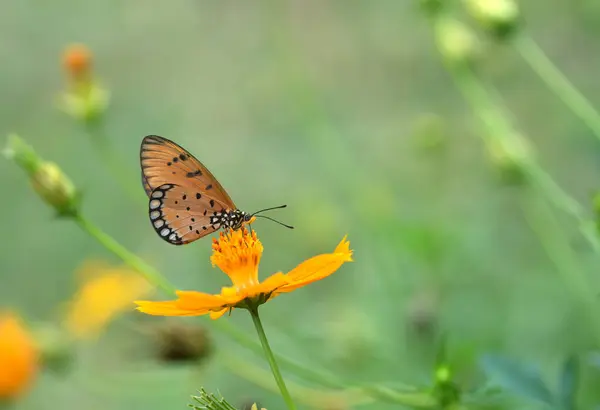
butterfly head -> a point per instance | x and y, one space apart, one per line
237 218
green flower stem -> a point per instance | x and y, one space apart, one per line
271 358
309 396
544 223
557 82
415 400
151 275
498 128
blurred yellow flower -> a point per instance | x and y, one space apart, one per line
18 357
238 254
105 292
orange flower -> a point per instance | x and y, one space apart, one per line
106 292
238 255
77 60
18 357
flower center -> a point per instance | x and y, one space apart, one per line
237 253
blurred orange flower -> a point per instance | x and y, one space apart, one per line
18 357
77 60
238 254
105 292
85 99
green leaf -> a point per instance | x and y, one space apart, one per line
521 379
567 384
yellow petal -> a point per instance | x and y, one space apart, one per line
169 308
318 267
271 284
192 300
190 303
218 314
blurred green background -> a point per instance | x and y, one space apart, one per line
327 106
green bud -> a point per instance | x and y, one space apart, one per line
46 178
86 102
510 156
55 188
456 42
499 17
55 348
445 389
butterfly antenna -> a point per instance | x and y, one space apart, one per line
275 220
269 209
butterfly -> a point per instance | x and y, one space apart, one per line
186 202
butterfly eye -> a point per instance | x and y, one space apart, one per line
247 217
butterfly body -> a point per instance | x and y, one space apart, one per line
186 202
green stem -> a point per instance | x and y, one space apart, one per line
151 275
558 82
415 400
271 358
498 128
544 223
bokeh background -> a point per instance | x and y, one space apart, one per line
344 111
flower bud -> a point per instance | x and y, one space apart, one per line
47 179
179 342
55 188
86 103
56 350
456 42
499 17
510 156
84 98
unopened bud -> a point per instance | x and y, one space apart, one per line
55 348
54 187
456 42
499 17
511 157
84 99
85 102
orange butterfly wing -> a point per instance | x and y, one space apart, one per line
181 218
163 161
186 200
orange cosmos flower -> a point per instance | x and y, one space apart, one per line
18 357
238 254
